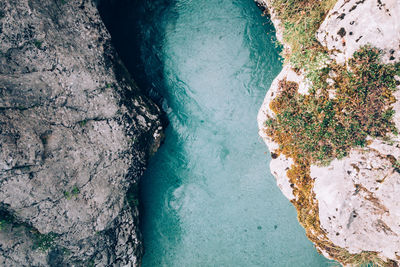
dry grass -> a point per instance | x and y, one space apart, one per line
301 19
318 128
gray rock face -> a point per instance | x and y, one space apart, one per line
75 133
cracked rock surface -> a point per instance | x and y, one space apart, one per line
75 134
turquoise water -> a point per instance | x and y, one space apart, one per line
208 197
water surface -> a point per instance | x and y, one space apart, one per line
208 197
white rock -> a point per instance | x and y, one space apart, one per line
358 204
353 23
359 207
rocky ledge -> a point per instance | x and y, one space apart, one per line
347 196
75 135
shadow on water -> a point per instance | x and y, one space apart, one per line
139 44
124 20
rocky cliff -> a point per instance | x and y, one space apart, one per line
331 121
75 134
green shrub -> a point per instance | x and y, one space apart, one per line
320 128
44 242
74 192
37 43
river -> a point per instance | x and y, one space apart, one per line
208 198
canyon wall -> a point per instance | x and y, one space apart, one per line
75 135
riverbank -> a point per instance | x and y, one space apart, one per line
324 134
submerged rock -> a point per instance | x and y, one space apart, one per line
75 134
353 200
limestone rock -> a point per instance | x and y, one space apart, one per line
358 204
357 196
354 23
